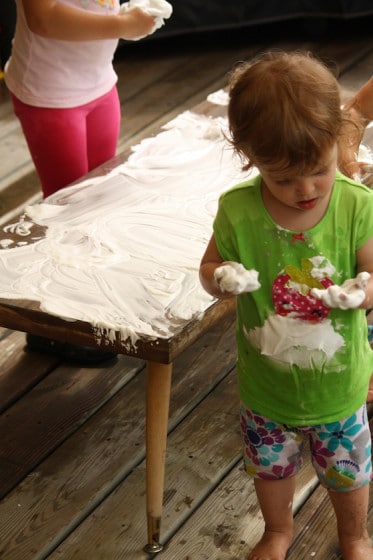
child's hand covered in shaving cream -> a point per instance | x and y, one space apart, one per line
160 9
348 296
234 278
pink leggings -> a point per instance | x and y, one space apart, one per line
67 143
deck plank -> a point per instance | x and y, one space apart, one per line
20 371
52 410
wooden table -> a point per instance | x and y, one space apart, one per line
159 354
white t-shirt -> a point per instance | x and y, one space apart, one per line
48 72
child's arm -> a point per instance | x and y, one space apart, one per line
211 260
51 19
359 110
224 279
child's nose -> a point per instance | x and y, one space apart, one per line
305 188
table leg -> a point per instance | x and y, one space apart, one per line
158 387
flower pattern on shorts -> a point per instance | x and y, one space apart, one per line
319 452
341 450
263 434
340 433
279 472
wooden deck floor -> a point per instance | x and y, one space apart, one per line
72 471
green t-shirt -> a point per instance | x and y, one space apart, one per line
299 362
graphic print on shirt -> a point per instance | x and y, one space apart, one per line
291 293
299 332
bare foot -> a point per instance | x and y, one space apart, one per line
361 549
272 546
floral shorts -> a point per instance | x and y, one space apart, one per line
340 451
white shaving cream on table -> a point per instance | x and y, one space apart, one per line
123 253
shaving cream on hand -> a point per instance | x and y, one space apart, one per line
160 9
234 278
348 296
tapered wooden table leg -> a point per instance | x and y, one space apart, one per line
157 407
